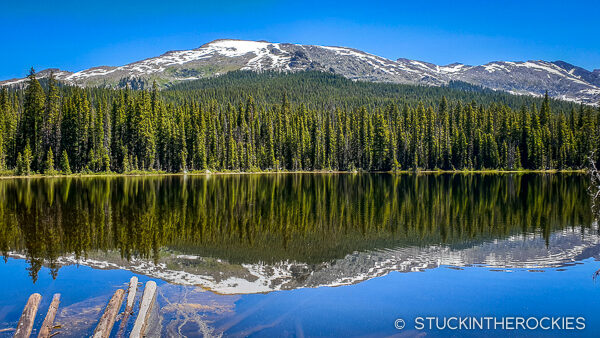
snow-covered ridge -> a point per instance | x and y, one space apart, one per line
560 79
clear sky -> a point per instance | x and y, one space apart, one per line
75 35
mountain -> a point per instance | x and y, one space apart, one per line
560 79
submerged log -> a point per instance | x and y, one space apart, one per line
107 320
48 324
28 317
129 305
142 320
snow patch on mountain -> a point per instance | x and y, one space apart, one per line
558 78
452 68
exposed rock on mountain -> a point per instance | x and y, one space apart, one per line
560 79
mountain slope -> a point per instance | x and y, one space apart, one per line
534 78
560 79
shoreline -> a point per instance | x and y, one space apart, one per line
399 172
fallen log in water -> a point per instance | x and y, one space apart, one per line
28 317
110 313
48 324
129 305
142 320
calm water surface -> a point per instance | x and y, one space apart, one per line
304 254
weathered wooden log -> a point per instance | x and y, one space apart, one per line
48 323
141 322
129 305
28 317
107 320
133 282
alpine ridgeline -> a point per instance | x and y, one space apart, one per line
560 79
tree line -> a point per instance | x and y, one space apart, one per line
54 128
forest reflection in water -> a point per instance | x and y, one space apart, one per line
308 218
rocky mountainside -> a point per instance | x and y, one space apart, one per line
560 79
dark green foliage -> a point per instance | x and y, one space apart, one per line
65 167
317 90
20 169
24 161
31 120
49 163
245 121
2 151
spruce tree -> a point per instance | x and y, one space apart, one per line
126 164
381 141
49 164
27 159
64 163
106 163
270 163
51 122
2 152
33 111
20 165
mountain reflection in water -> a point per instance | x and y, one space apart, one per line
258 233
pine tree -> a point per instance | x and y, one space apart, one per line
33 111
2 151
271 163
331 143
381 141
126 163
51 122
518 163
49 164
64 163
145 142
27 159
84 124
545 111
366 132
105 163
20 165
70 127
232 151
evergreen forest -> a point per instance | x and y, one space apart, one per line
306 121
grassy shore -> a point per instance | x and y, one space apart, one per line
10 174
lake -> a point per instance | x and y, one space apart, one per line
307 254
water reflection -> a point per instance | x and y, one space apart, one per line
239 231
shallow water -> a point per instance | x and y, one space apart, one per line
304 254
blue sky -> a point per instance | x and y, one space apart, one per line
74 35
